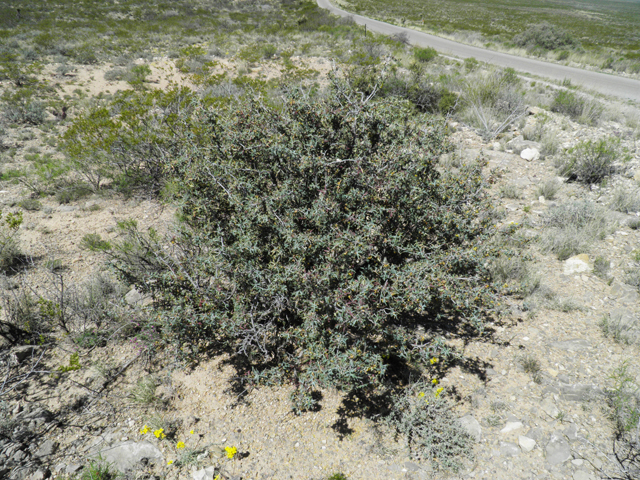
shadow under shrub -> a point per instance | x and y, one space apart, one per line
317 238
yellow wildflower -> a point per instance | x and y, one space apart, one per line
439 391
191 432
433 360
169 462
421 394
159 433
435 381
231 451
180 444
144 430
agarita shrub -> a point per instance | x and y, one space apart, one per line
317 240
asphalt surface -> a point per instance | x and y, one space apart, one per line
621 87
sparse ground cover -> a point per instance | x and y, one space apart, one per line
137 309
603 34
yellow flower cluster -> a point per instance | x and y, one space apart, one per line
180 445
439 391
231 451
159 433
144 430
434 360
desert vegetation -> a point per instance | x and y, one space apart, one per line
304 213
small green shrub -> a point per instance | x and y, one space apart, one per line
30 204
23 108
98 470
137 75
433 434
549 188
625 200
576 107
337 476
624 399
510 190
601 267
492 102
9 249
634 224
571 228
424 55
94 242
590 161
145 391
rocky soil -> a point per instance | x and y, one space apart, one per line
533 395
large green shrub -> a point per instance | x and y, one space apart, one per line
318 240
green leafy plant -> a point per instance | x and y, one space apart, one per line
74 364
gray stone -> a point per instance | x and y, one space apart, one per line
509 449
574 345
526 444
49 447
18 456
579 392
126 455
412 467
67 208
73 468
624 293
472 426
557 450
204 474
549 407
40 474
571 432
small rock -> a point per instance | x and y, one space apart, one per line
472 426
557 450
526 444
23 352
511 426
577 264
509 449
530 154
204 474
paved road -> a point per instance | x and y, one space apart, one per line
601 82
